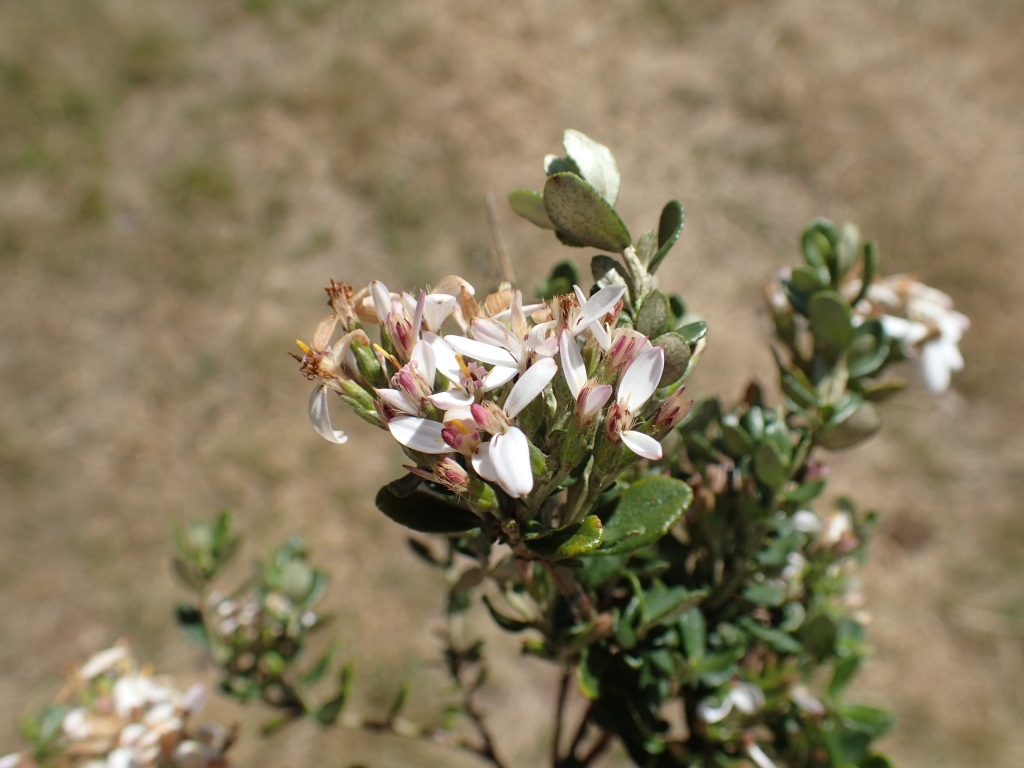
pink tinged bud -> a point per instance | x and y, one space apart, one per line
628 343
421 435
461 435
506 461
320 417
673 411
530 385
590 401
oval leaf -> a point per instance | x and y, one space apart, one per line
567 542
582 216
830 320
596 163
669 227
530 205
645 512
423 511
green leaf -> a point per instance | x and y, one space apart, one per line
563 543
819 636
328 712
653 315
582 215
769 466
870 720
804 493
765 594
530 205
691 333
864 422
661 602
645 512
695 633
190 621
595 163
775 638
315 673
669 227
507 623
422 511
830 321
869 349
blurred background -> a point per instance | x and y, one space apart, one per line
179 180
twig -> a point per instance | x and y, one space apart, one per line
498 241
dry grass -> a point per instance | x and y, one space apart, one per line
178 180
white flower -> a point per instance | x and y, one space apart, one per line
747 698
590 396
505 459
636 387
921 319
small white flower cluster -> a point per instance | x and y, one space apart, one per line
922 320
125 717
456 401
244 619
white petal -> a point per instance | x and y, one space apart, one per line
444 357
320 417
712 714
437 309
641 378
573 367
510 453
530 385
597 305
498 375
494 333
381 300
939 359
421 435
426 360
758 756
453 398
102 662
641 444
747 697
478 350
397 399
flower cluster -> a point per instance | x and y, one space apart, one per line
124 717
518 394
922 320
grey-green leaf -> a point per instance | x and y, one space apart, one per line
530 205
580 213
830 320
596 163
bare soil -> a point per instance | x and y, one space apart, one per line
177 182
